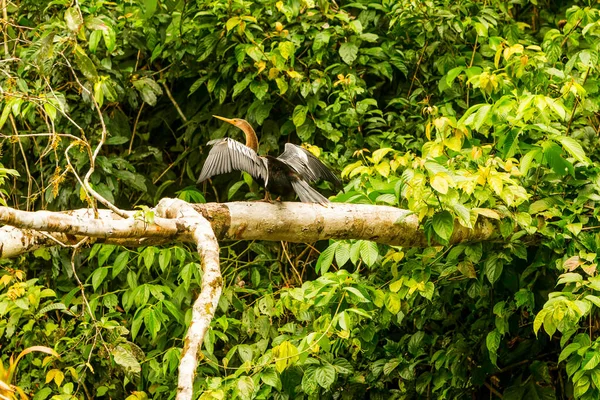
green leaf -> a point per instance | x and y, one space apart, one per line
591 360
357 294
326 258
369 252
245 387
105 252
342 254
270 377
148 89
325 376
493 268
286 49
286 354
443 224
348 52
164 259
452 74
573 147
392 303
567 351
73 19
321 40
415 344
259 89
492 342
152 322
299 115
98 277
241 85
232 23
553 155
126 359
120 263
148 256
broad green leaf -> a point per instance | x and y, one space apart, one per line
241 85
285 354
492 342
164 259
369 252
120 263
270 377
342 254
348 51
126 359
286 49
325 376
98 277
321 40
493 268
105 252
392 302
573 147
452 74
591 360
567 351
299 115
232 23
245 387
73 19
443 224
326 258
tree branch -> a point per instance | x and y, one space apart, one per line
212 285
290 222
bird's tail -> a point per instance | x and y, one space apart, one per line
307 194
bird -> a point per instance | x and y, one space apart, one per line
291 172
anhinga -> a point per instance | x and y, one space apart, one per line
289 173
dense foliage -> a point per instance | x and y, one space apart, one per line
452 109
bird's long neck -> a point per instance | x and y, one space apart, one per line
251 138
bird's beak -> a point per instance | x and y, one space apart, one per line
224 119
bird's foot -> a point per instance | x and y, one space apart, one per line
267 198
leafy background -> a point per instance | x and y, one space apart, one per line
452 109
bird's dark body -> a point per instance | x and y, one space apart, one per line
280 177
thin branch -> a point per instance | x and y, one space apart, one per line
29 177
86 179
4 28
170 96
135 124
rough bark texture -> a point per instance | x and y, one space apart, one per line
292 222
205 305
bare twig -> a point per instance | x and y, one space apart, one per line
4 28
170 96
86 179
29 177
135 124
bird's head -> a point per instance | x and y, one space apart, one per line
251 138
240 123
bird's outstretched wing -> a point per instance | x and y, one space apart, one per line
306 193
307 165
228 155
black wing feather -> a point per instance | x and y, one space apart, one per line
306 193
307 164
228 155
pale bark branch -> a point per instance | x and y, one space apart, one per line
212 285
290 222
